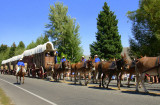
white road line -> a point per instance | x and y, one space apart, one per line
52 103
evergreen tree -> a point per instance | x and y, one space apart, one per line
12 50
31 45
108 44
20 48
21 45
45 39
3 48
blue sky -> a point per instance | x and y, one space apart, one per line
24 20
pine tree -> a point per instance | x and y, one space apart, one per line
21 45
20 48
45 39
12 50
108 44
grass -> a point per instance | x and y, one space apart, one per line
4 100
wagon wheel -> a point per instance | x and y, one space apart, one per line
33 73
29 72
41 72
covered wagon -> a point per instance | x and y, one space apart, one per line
40 60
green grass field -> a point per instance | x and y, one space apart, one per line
4 100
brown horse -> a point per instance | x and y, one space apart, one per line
79 68
111 68
147 65
130 71
73 69
95 70
21 73
58 70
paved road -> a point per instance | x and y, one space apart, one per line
41 92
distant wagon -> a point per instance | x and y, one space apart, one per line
39 60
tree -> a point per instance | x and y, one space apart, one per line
12 50
45 39
31 45
63 30
20 48
4 52
58 20
3 48
145 29
108 44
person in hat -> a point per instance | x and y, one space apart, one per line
62 60
83 60
56 54
20 63
97 59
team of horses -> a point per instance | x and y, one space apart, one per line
103 71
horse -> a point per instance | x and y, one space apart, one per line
21 73
79 68
95 70
58 70
146 65
73 69
130 71
111 68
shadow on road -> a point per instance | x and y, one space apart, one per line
100 88
16 83
140 93
74 84
155 90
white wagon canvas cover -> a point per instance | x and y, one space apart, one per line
39 49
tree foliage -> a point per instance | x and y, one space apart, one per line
12 50
40 40
145 29
20 48
63 30
108 44
4 52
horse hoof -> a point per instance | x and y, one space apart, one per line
137 91
146 92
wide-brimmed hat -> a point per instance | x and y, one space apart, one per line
96 55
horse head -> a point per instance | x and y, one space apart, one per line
123 63
90 63
66 65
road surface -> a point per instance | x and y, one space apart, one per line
41 92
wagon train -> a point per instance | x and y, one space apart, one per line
39 61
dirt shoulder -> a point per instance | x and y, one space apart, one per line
4 99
